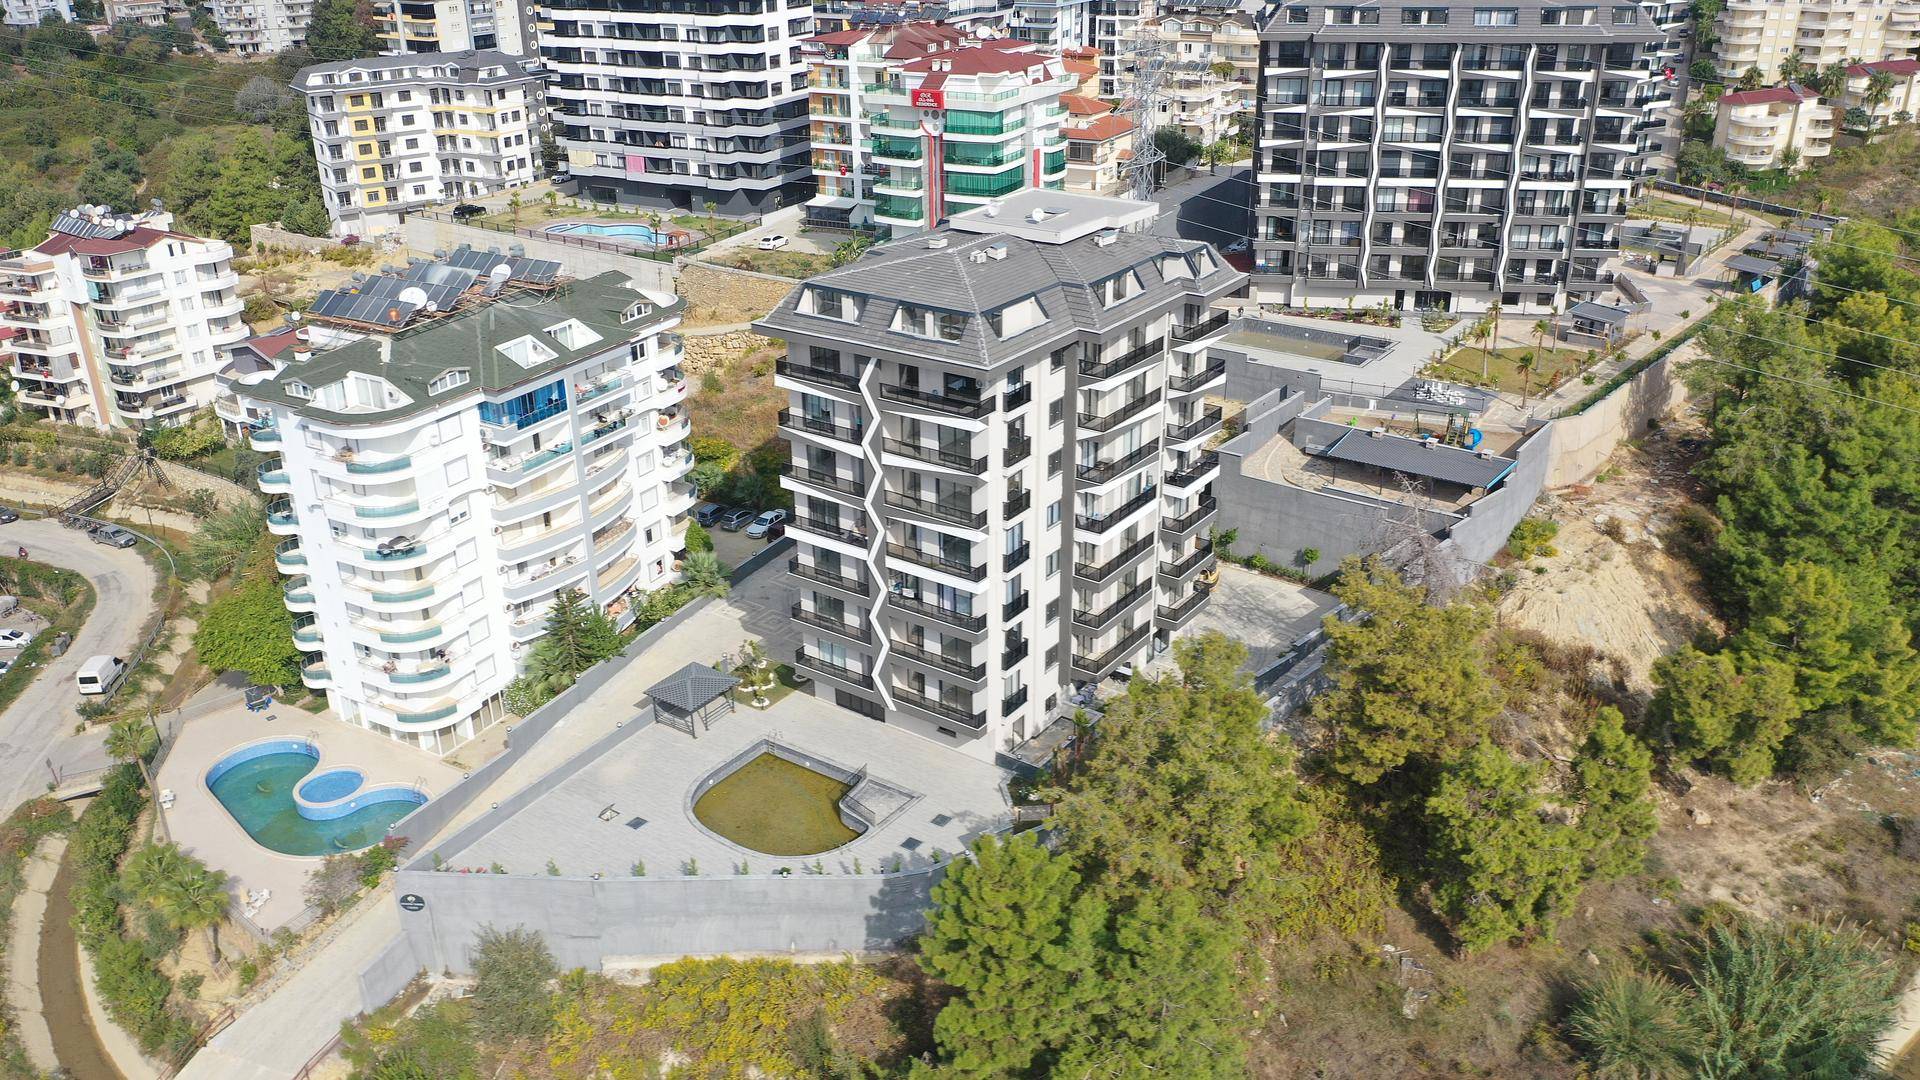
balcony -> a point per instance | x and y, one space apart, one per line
949 513
820 575
972 407
938 613
853 631
1096 370
819 376
1017 451
954 665
1111 420
1211 324
1120 561
1098 667
803 659
933 560
1017 557
1013 702
1178 614
933 455
522 421
272 476
1100 619
1186 523
1013 608
824 428
1208 421
1119 513
287 553
940 710
409 674
844 485
1179 571
280 512
1101 472
399 509
364 467
1017 503
1017 397
1195 471
832 530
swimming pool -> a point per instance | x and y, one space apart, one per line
266 788
639 234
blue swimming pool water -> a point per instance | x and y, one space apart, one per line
256 785
332 784
640 234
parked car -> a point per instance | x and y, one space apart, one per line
773 243
735 520
707 513
467 210
7 514
5 666
114 536
15 639
1237 246
767 520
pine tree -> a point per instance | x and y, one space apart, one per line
1730 711
342 30
1612 775
1500 870
1409 679
563 652
1015 936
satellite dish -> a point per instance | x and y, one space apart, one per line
500 274
413 294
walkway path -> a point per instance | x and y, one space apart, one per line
23 954
39 724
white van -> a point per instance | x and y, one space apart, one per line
100 674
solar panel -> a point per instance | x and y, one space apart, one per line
536 271
74 225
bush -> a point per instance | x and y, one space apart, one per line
1533 536
698 539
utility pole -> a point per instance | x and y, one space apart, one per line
1145 60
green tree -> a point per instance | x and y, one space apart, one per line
194 897
151 870
224 542
1176 146
306 216
1017 939
249 630
1500 870
702 575
1791 999
512 997
1184 790
1638 1027
1613 774
1409 679
1714 709
342 30
133 740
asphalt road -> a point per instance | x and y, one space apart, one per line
40 722
1214 208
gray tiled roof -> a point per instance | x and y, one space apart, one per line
467 340
468 66
1416 458
691 687
1061 276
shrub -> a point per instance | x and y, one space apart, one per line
1533 536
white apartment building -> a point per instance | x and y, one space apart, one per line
680 103
843 67
30 12
117 320
957 129
436 488
1000 490
261 27
1057 25
1762 33
1783 126
1199 103
452 26
1099 144
1424 156
1191 32
1116 27
1902 82
137 12
398 133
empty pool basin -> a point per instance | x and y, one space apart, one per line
267 789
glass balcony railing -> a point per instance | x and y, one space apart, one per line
396 510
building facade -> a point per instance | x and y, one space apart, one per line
137 12
1201 103
29 13
1421 156
436 489
1762 34
1000 491
1886 91
399 133
1099 144
680 103
261 27
1782 127
118 321
1053 25
957 129
451 26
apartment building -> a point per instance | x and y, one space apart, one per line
1884 90
437 483
956 129
1780 127
997 472
680 103
1421 155
30 12
261 27
1116 27
117 320
1056 25
1099 144
398 133
844 69
1192 32
451 26
137 12
1197 101
1761 34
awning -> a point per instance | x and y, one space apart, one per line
1600 313
690 688
1748 264
1416 457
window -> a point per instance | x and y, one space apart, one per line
1053 564
830 304
1625 16
1496 17
929 322
298 389
1424 16
447 380
1053 512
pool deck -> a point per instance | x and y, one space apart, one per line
652 773
1413 349
205 830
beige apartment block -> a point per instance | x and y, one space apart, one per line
1779 126
1763 33
1902 91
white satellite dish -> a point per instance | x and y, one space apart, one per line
413 294
500 274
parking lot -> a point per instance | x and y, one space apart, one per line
734 548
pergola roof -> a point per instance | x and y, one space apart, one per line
691 688
1747 264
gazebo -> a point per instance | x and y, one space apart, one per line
691 698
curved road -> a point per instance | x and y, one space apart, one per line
40 722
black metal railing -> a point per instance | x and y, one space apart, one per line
1108 421
1098 666
1202 328
1194 561
834 529
1125 557
823 576
940 709
1097 620
1101 369
937 613
1186 522
933 455
1013 608
1017 397
1017 556
953 665
842 672
1111 518
1200 378
956 404
818 375
857 631
1102 471
793 421
1019 447
1012 702
1208 420
953 515
1017 503
1184 610
1199 467
845 485
933 560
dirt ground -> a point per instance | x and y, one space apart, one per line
1614 584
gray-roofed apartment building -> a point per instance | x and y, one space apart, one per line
998 474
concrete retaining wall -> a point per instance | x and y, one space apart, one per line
430 234
1584 441
272 236
389 973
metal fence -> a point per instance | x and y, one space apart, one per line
722 229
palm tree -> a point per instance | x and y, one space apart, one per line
513 207
657 224
1542 330
1524 362
193 898
713 225
703 574
151 869
134 739
1638 1027
1879 92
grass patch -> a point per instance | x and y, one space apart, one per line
740 405
782 686
62 597
794 264
774 806
1658 208
1551 368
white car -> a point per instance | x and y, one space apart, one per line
767 520
1236 247
14 639
773 243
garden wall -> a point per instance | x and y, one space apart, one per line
427 234
1583 441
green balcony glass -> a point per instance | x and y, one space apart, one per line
404 637
401 596
394 464
899 207
429 716
396 510
901 149
423 675
990 186
962 122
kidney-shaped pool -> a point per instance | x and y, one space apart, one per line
265 787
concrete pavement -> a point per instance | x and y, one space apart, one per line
40 722
1215 207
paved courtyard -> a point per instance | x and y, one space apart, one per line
207 831
1266 614
583 823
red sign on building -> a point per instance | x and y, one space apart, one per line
929 99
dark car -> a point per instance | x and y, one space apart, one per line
467 210
736 519
7 514
707 513
114 536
